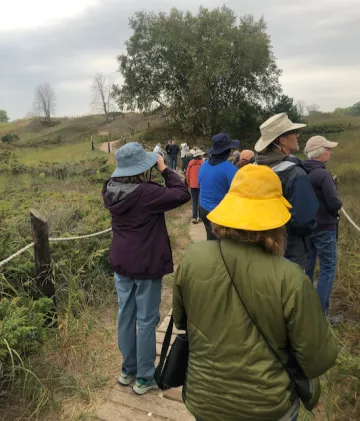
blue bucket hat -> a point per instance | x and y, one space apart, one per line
221 142
131 159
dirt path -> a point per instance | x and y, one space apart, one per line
104 146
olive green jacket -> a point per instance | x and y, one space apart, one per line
232 373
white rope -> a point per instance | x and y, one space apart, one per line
79 237
53 239
16 254
349 219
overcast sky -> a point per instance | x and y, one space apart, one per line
65 43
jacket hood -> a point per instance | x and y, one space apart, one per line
270 158
120 197
312 164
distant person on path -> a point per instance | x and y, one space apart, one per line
184 149
140 254
222 288
192 180
158 149
167 150
279 140
234 157
174 150
322 241
215 177
245 157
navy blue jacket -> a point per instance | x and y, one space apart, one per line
326 193
298 191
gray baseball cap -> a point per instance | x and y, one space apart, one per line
132 159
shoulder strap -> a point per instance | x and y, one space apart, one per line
166 343
248 313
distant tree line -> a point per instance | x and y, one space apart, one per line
353 110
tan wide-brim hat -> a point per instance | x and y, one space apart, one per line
273 128
317 142
198 152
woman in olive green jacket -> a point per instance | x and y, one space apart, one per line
233 374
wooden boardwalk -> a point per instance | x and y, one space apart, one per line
123 404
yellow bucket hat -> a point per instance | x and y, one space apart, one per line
254 201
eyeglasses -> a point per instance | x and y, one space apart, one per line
289 133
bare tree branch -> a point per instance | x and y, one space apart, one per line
44 102
313 109
102 98
301 106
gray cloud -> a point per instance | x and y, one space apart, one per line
315 44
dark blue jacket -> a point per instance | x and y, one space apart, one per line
326 193
298 190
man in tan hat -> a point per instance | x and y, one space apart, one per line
275 148
322 241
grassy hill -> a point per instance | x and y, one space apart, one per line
54 170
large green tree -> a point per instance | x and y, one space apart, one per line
4 117
210 71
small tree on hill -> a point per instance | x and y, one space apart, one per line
301 106
102 99
4 117
10 138
313 109
44 102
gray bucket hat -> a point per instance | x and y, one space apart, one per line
131 159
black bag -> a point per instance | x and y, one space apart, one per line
303 385
172 368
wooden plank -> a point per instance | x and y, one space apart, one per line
160 336
164 325
153 402
158 349
111 411
174 394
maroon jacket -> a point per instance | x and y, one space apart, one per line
140 247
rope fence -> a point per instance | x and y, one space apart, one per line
80 237
16 254
349 219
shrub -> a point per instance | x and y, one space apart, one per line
10 138
22 326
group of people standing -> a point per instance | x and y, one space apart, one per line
253 319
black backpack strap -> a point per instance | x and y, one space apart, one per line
166 344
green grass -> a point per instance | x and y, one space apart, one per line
69 130
64 153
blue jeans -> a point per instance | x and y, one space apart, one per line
195 203
322 244
139 301
173 161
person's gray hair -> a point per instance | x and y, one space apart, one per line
316 153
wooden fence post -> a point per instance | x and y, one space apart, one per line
109 147
40 232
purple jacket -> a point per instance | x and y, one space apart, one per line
325 190
140 246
